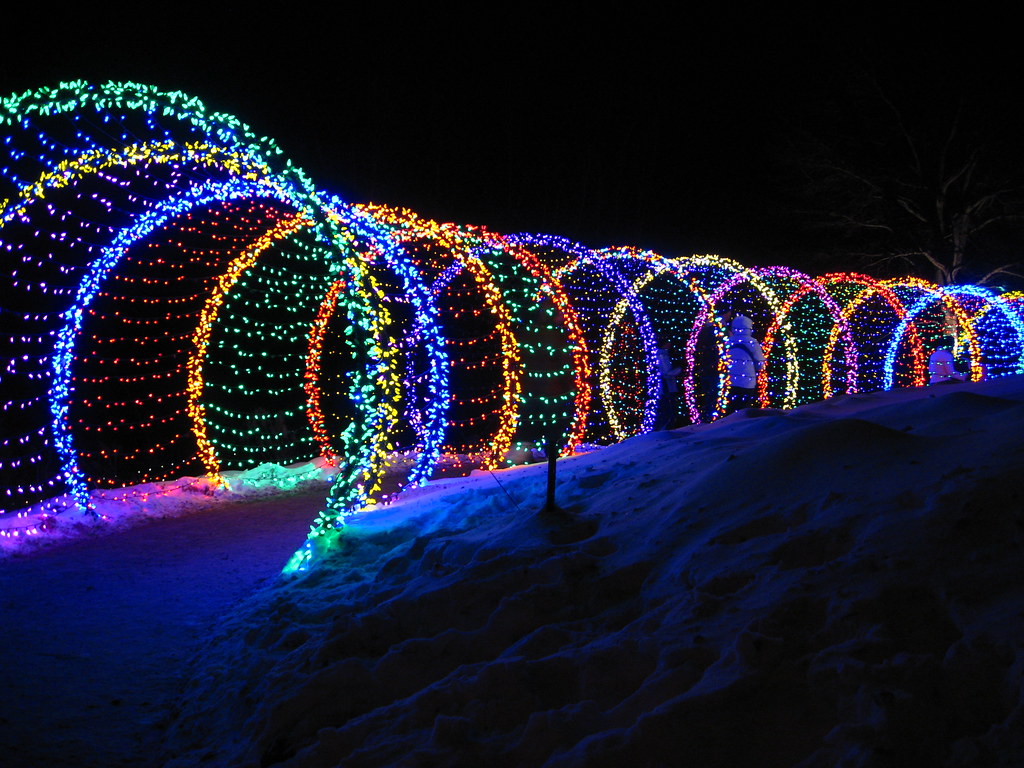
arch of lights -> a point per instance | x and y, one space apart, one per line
819 333
484 352
989 354
872 311
180 300
563 258
600 285
61 387
110 158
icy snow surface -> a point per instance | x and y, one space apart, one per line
838 585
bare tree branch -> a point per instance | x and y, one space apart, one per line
895 188
1006 269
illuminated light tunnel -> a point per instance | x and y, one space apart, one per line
816 323
872 311
596 285
107 274
744 291
478 326
179 300
955 312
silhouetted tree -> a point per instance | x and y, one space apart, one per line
898 172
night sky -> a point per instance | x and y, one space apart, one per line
654 131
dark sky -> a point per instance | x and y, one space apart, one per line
642 130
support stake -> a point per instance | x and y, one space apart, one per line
552 451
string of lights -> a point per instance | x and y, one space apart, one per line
179 299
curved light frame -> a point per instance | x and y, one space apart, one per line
947 295
224 161
604 262
840 327
60 389
518 247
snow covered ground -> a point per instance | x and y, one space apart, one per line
119 508
837 585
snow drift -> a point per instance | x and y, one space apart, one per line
835 585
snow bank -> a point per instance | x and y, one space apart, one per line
57 520
834 585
